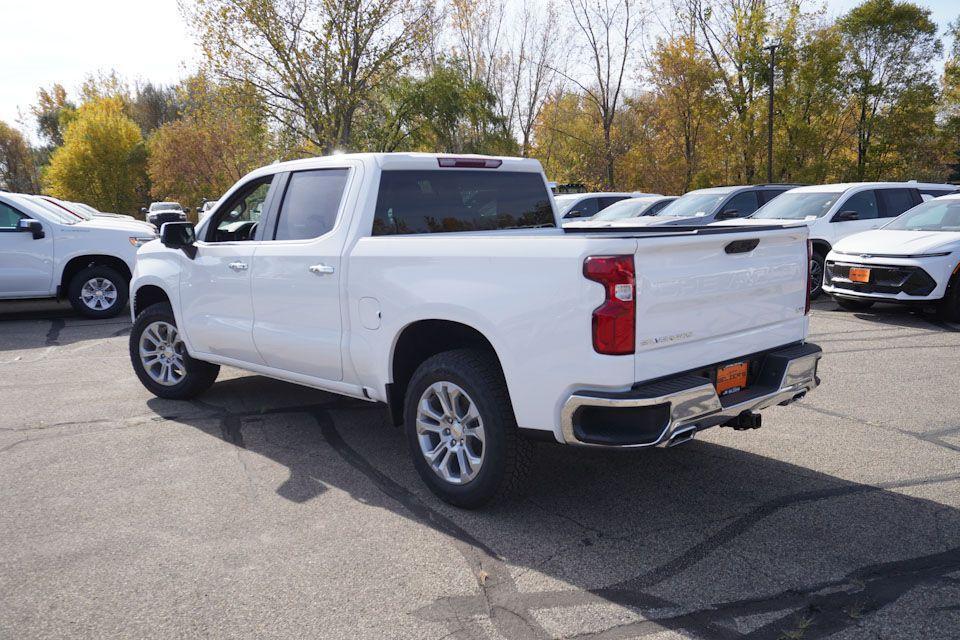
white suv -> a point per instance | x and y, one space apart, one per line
47 252
835 211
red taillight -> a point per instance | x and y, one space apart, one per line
806 308
470 163
614 321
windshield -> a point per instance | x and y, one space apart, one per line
693 205
935 215
54 212
797 206
630 208
165 206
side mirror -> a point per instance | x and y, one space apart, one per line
847 216
143 210
28 225
727 214
178 235
575 213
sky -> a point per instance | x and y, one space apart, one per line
48 41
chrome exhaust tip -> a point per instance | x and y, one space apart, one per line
682 435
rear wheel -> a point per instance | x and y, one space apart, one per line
461 430
816 274
98 292
160 358
854 305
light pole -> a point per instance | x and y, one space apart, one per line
772 48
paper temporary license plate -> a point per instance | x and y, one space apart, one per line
732 378
859 274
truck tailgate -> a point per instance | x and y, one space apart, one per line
708 298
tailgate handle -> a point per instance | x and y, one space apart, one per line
742 246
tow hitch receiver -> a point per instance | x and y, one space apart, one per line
744 421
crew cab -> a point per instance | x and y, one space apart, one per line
444 287
46 252
835 211
913 260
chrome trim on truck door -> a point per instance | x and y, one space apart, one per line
786 375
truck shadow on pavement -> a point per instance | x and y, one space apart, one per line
26 324
703 539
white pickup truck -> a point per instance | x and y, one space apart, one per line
46 251
444 287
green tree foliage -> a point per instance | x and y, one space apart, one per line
315 63
17 169
219 139
443 111
889 49
51 111
102 160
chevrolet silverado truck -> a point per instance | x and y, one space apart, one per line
446 288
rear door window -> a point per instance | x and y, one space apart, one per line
896 201
443 201
864 203
743 203
607 201
310 204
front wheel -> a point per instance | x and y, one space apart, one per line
98 292
816 274
160 358
854 305
461 430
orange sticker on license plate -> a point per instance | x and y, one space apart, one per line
859 274
731 378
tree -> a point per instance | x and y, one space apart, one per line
732 34
316 63
102 159
569 140
951 102
51 110
219 139
17 169
152 106
890 46
609 30
443 111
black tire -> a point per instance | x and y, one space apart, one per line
816 274
854 305
506 454
949 308
199 375
114 277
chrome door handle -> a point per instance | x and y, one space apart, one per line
321 269
238 266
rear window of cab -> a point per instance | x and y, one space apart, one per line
442 201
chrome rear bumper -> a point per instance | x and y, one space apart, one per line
672 410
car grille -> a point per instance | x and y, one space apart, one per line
888 279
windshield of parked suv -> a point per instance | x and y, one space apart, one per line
935 215
797 206
693 205
439 201
165 206
629 208
55 213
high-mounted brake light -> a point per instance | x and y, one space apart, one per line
806 307
470 163
614 321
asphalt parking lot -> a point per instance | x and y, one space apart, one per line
270 510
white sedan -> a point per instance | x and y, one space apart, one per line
913 259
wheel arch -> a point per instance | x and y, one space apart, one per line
420 340
821 246
78 263
145 296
